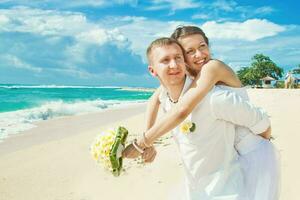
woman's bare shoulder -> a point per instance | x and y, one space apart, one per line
216 64
225 73
215 67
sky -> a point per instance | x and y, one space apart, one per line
103 43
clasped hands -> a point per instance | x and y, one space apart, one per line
131 152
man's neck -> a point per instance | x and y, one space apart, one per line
175 90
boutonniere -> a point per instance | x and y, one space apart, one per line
187 127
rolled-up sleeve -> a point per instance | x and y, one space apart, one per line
229 106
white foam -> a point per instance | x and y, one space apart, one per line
18 121
53 86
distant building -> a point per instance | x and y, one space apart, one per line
267 82
297 80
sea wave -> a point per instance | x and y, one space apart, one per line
137 89
21 120
54 86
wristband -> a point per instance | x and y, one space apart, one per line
139 149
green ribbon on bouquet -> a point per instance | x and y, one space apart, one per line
116 151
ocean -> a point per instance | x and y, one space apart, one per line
22 105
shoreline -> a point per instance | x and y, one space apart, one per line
53 129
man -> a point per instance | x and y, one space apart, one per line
208 154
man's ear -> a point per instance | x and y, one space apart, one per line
151 70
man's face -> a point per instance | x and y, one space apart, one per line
168 64
196 51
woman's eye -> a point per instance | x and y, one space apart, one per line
202 46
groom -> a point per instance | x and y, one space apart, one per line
208 154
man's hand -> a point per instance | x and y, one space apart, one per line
149 154
267 134
130 152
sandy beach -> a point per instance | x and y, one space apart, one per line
52 161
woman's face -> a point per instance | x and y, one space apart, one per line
196 51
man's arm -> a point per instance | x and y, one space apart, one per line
152 108
227 105
151 115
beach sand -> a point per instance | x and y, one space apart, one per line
53 161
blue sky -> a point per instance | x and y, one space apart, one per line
89 42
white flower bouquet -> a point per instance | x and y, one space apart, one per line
107 149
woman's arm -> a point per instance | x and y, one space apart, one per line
212 72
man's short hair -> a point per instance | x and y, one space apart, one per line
164 41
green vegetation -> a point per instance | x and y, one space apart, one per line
279 84
261 67
297 70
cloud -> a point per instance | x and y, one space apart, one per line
57 24
44 22
54 4
283 50
173 5
65 44
224 5
3 20
100 3
100 36
230 10
11 61
141 31
251 30
264 10
200 16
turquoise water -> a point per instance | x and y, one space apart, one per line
22 105
17 97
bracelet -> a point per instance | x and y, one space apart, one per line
144 141
139 149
